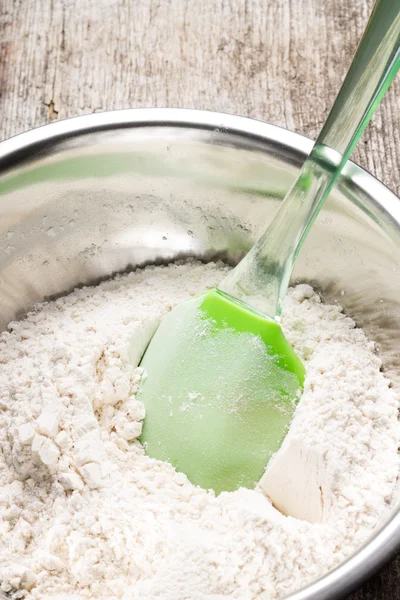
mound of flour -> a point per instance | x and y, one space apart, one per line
85 514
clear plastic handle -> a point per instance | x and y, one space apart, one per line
261 279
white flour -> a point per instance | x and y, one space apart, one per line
85 514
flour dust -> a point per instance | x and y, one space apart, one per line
84 513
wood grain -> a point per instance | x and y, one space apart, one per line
277 60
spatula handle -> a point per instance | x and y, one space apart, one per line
261 279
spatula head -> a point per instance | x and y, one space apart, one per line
220 388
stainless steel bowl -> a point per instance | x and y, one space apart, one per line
88 197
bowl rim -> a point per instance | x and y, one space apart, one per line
385 542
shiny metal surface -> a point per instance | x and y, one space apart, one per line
84 198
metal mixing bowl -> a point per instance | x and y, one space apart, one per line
88 197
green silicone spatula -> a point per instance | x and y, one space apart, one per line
221 381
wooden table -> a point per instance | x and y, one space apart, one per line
277 60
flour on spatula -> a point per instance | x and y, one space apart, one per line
85 514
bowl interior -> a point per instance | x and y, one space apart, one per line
81 201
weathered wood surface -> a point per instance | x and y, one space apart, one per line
277 60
